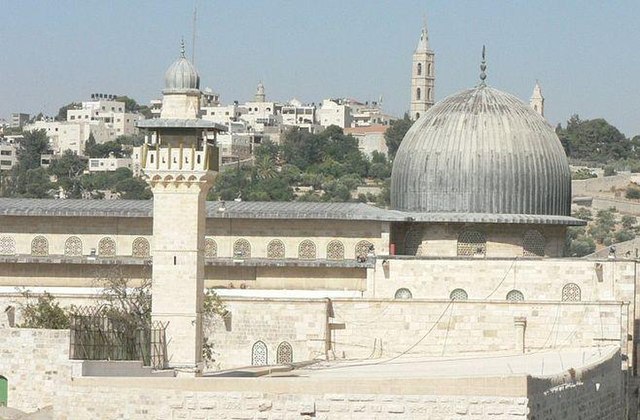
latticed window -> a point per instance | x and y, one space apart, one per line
335 250
307 250
533 244
413 241
403 293
571 293
275 249
363 248
515 295
284 354
140 248
458 294
7 245
210 248
73 246
472 242
242 249
40 246
259 355
107 247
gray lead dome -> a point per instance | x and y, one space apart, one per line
481 151
182 75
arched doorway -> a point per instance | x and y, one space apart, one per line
4 391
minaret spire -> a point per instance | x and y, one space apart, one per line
423 42
182 48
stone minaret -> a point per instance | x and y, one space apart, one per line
260 95
422 77
537 100
180 161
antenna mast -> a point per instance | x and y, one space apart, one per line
193 37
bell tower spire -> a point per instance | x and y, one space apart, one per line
537 100
422 76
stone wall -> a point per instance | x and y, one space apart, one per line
591 393
36 364
593 186
383 328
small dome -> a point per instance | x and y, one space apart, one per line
182 74
481 151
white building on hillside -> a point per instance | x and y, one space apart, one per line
334 112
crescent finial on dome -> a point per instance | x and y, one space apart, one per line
483 68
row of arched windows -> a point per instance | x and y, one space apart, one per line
474 243
419 69
260 354
307 249
570 293
73 247
419 94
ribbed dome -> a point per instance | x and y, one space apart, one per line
481 151
182 75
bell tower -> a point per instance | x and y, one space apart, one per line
180 161
537 100
422 76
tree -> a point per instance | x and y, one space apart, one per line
594 140
44 313
133 189
395 133
609 170
68 170
62 112
628 221
583 213
632 193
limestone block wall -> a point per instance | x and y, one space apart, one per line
298 322
385 328
540 279
36 364
591 393
502 240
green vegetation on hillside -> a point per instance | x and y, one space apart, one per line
604 229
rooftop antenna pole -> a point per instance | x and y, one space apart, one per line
193 37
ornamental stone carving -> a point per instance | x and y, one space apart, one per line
73 246
140 248
275 249
335 250
210 248
39 246
363 248
107 247
242 249
7 245
307 250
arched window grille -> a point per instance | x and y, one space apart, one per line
533 244
210 248
472 243
515 295
73 246
413 241
39 246
7 245
335 250
307 250
284 354
242 249
107 247
259 354
458 294
403 293
363 249
571 293
275 249
140 248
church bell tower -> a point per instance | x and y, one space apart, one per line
422 76
537 100
180 161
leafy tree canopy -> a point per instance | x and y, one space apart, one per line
395 133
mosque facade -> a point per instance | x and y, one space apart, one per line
468 260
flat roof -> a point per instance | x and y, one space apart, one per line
263 210
179 123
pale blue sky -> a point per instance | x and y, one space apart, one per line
585 53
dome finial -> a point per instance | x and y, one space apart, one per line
182 48
483 67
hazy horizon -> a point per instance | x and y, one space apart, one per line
59 52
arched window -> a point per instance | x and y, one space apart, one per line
458 294
515 295
4 391
242 249
107 247
429 93
210 248
335 250
533 244
403 293
419 69
429 69
39 246
307 250
140 248
471 243
7 245
284 355
275 249
418 94
571 293
259 354
363 249
413 240
73 246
